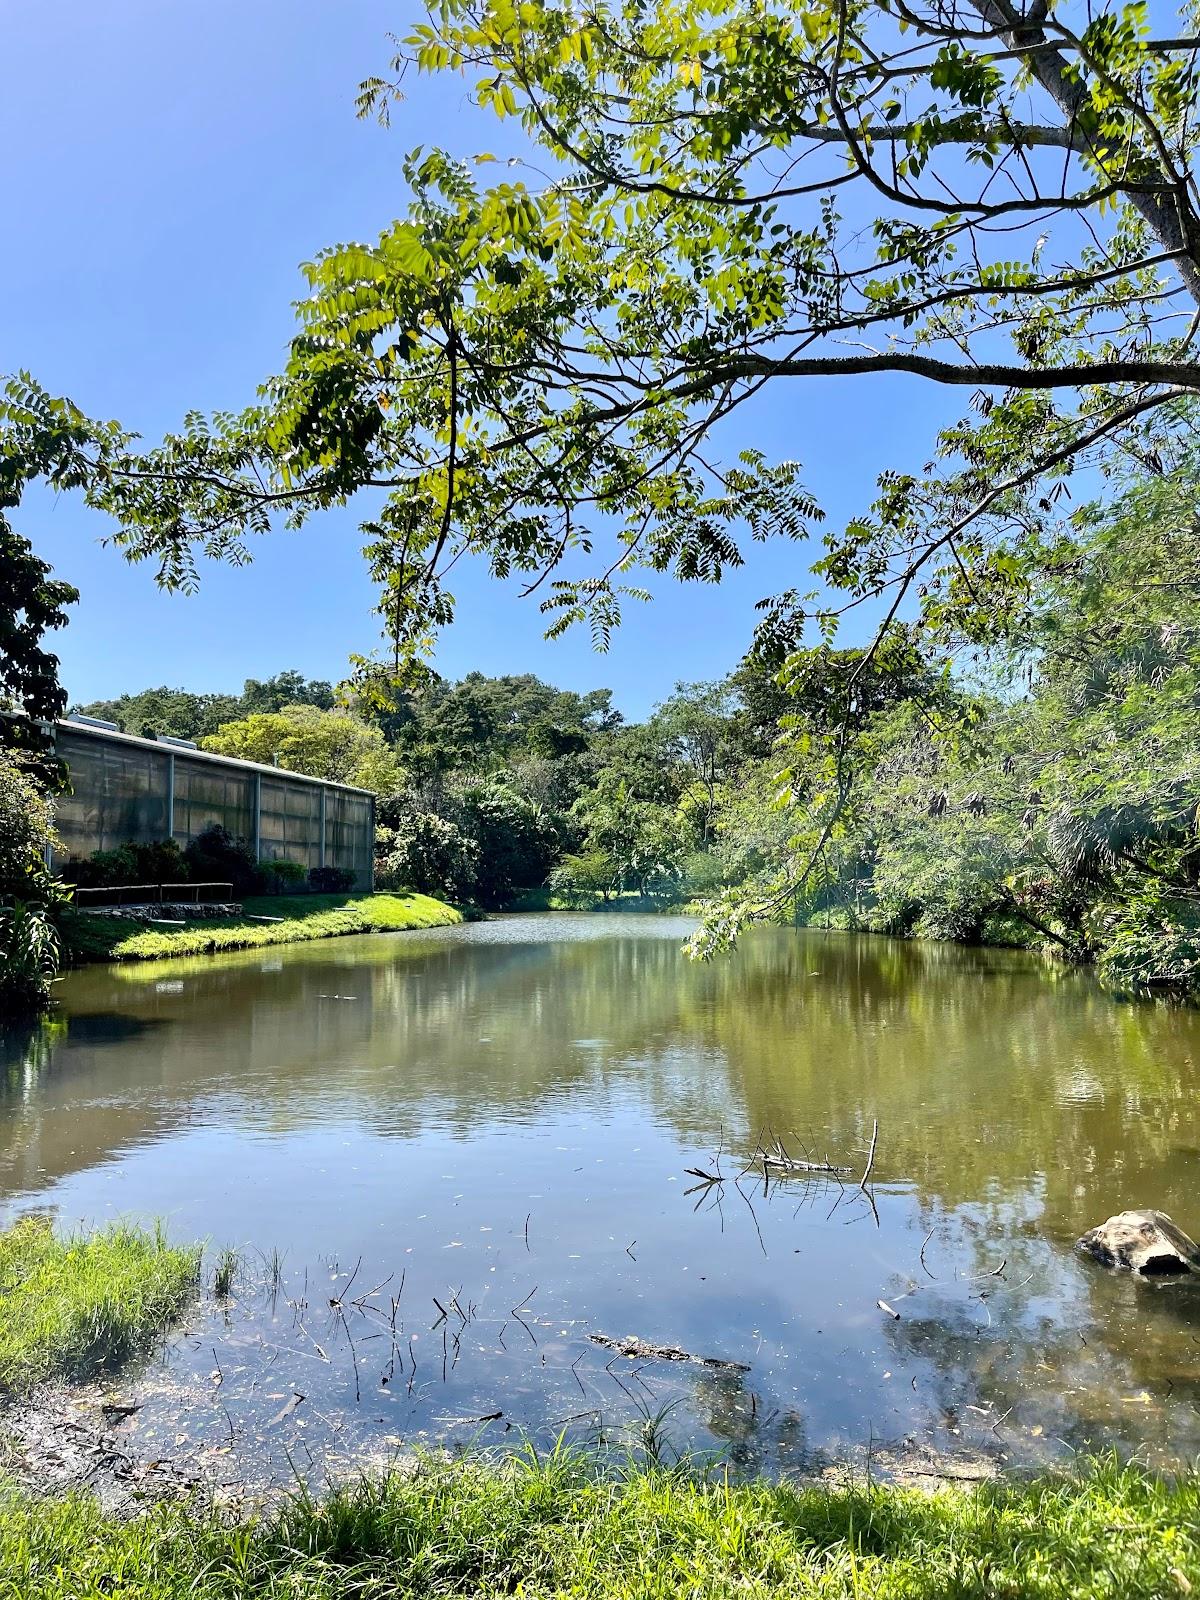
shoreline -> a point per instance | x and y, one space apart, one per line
569 1522
59 1438
295 919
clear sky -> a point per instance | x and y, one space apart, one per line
168 165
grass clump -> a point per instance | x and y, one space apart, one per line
225 1271
71 1307
316 916
557 1528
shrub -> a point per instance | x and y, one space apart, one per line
215 856
26 830
29 899
283 875
703 874
579 879
159 862
517 841
1149 944
29 956
330 880
425 852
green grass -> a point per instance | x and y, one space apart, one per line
546 899
558 1529
70 1307
314 916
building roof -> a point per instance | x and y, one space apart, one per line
188 754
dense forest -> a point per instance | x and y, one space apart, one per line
1030 781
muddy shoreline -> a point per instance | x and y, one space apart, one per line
61 1439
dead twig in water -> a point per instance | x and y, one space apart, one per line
924 1246
517 1317
973 1277
790 1164
336 1300
781 1158
293 1403
361 1300
753 1216
862 1182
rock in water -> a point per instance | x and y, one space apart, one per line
1145 1242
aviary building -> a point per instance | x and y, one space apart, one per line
131 790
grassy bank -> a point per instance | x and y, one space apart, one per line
556 1529
566 1524
301 917
71 1307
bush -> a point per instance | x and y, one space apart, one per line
215 856
703 874
517 841
29 899
159 862
425 852
579 879
1150 944
283 875
29 956
26 830
330 880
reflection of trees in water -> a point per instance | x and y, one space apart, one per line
1030 1382
27 1051
755 1434
980 1069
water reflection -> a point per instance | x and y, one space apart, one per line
516 1103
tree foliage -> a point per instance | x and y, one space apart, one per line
184 715
990 195
483 723
32 602
423 851
324 744
1055 798
29 944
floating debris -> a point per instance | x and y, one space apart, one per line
640 1349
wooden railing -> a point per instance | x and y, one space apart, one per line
130 894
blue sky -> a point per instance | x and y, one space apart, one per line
168 166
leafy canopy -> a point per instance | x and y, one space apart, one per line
183 714
985 194
1053 798
323 744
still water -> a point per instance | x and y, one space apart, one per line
451 1158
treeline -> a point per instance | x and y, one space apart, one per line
492 789
180 714
1028 775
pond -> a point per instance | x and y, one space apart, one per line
450 1159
